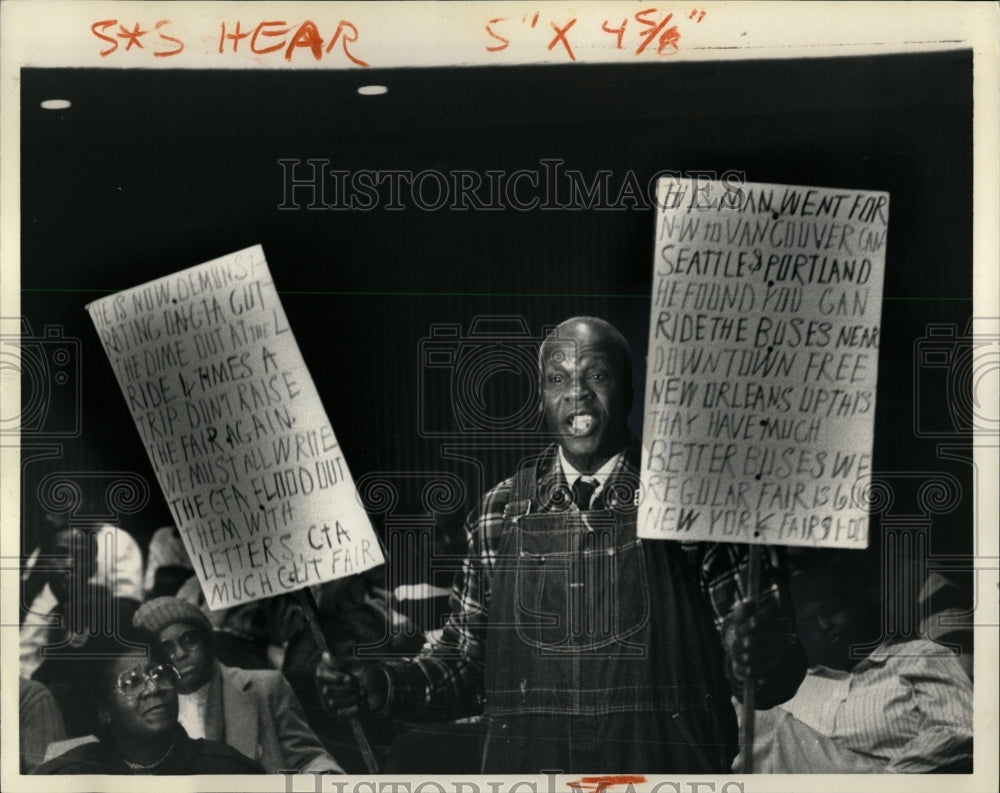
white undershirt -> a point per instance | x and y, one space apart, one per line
191 711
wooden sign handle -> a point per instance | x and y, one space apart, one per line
311 609
747 722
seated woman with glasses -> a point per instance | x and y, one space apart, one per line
133 700
255 711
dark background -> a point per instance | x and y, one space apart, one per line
150 172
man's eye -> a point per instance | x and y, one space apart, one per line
555 378
600 377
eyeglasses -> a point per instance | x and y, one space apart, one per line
133 682
187 641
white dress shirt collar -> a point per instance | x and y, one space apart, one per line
601 474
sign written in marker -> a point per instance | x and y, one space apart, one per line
762 365
232 422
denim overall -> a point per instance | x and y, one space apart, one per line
601 653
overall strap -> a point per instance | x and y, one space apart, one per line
523 494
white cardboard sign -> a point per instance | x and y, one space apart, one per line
762 364
230 417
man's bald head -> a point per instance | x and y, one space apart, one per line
589 331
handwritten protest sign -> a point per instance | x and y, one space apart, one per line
231 419
762 364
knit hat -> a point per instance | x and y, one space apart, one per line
159 613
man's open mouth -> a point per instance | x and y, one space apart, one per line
580 424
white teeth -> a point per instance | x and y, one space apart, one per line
581 424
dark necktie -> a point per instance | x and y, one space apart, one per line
583 491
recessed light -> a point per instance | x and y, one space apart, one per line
373 90
56 104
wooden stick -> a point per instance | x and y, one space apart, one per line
311 610
749 687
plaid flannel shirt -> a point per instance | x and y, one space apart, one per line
445 681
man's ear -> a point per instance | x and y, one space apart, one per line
104 716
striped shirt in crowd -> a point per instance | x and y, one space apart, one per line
907 706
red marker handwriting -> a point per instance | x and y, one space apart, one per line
561 36
161 44
599 784
504 43
668 37
618 31
650 30
273 36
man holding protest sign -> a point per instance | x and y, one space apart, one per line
586 647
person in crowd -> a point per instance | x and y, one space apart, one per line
872 701
131 697
254 711
167 564
73 565
249 635
585 647
40 723
945 610
274 633
81 610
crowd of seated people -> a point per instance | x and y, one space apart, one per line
245 675
127 690
124 669
889 688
